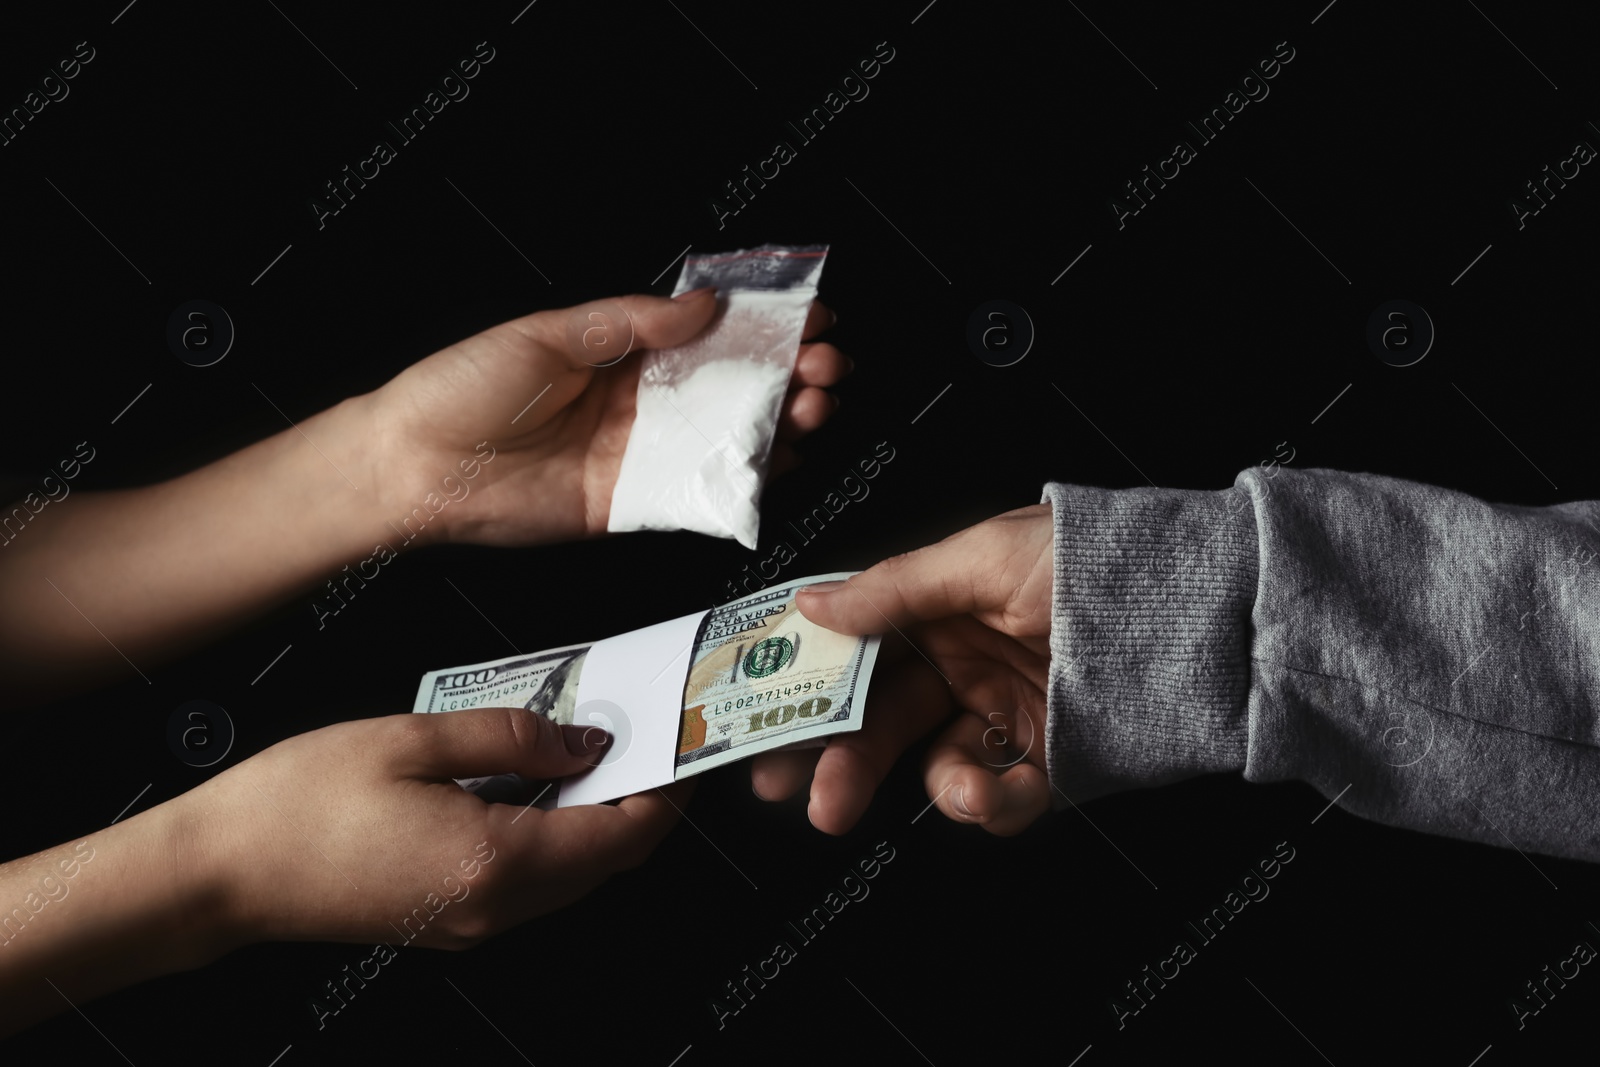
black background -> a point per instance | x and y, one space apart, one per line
1197 338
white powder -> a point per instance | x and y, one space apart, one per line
707 410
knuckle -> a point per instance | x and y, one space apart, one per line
898 564
861 759
413 733
523 730
511 337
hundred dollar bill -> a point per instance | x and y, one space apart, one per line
761 676
537 681
546 682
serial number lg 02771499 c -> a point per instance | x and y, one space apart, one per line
488 698
770 695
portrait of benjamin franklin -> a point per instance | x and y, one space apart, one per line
557 696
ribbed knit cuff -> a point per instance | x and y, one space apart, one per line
1149 637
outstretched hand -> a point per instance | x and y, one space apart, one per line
345 833
976 609
554 395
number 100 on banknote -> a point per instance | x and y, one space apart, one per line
763 676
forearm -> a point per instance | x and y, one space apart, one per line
120 906
1434 653
1438 654
144 573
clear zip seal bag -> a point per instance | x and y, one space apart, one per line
697 455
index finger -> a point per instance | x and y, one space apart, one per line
978 570
926 584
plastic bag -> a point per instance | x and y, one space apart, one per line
697 455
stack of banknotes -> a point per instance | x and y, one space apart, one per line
760 676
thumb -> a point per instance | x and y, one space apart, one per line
488 741
930 583
601 332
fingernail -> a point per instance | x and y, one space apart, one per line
958 798
823 587
583 740
695 293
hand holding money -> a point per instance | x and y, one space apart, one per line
751 676
977 608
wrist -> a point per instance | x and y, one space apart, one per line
351 441
409 506
123 905
132 902
1151 668
203 922
399 506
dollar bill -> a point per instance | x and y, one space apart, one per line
546 682
761 676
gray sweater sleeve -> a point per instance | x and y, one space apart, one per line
1431 660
